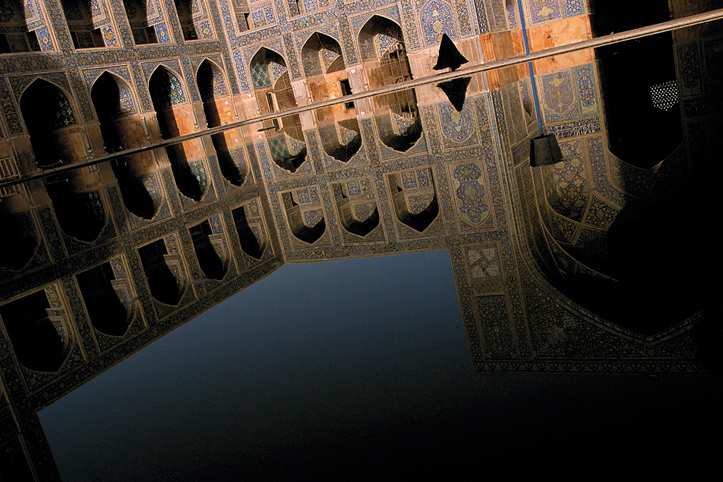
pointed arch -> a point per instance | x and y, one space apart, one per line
171 106
415 198
642 108
211 249
356 206
219 109
385 59
304 214
108 297
328 79
116 109
38 329
274 93
48 112
19 240
377 35
55 139
250 229
165 271
84 27
320 54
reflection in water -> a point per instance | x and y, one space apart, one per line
598 262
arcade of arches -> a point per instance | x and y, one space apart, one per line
574 266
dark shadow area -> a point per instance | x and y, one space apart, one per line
79 19
163 86
639 85
417 219
252 242
298 223
14 34
362 228
46 110
137 14
207 252
399 142
205 80
108 312
136 197
80 214
165 284
107 102
18 241
185 17
39 341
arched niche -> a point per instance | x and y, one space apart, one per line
194 20
638 78
414 198
250 229
219 109
304 214
38 330
241 13
108 297
56 139
175 114
211 249
356 206
51 123
328 79
384 56
19 239
274 93
120 127
165 270
84 29
14 34
78 204
141 20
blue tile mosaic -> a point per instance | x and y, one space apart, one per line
437 19
559 101
586 90
470 193
574 7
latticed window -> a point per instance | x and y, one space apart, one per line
665 95
395 65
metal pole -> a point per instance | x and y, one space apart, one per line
529 65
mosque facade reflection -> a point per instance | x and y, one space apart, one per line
558 268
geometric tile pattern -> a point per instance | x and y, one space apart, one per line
470 193
558 97
586 89
483 262
574 7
